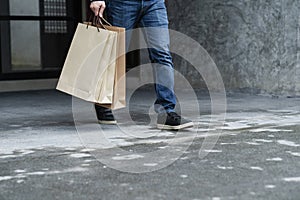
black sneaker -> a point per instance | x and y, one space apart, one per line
172 121
105 115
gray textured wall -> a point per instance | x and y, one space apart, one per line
255 43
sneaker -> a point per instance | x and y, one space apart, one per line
104 115
172 121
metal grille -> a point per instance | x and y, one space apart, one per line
55 8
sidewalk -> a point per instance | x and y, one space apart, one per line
43 154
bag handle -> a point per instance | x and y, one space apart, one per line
98 20
92 21
106 22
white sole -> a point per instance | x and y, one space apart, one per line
179 127
107 122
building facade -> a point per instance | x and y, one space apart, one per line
35 35
255 44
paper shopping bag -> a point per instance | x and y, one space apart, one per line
90 68
119 92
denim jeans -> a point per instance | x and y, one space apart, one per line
151 15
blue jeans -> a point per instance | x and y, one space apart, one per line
148 14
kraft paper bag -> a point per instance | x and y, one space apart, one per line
119 94
92 66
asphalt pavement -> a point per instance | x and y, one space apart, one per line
51 147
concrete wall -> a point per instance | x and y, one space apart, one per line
255 44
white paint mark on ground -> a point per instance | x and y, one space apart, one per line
8 156
184 158
36 173
20 171
20 181
87 150
288 143
26 152
5 178
216 198
80 155
163 147
150 164
15 125
253 143
257 168
212 151
128 157
223 167
70 149
294 153
183 176
263 140
271 136
292 179
85 165
233 143
274 159
270 186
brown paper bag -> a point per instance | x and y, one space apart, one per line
92 66
119 95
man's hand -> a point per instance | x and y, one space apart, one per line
98 7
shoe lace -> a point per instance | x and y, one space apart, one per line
175 116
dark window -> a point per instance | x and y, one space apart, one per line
35 36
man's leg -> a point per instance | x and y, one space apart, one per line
121 13
155 24
155 27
